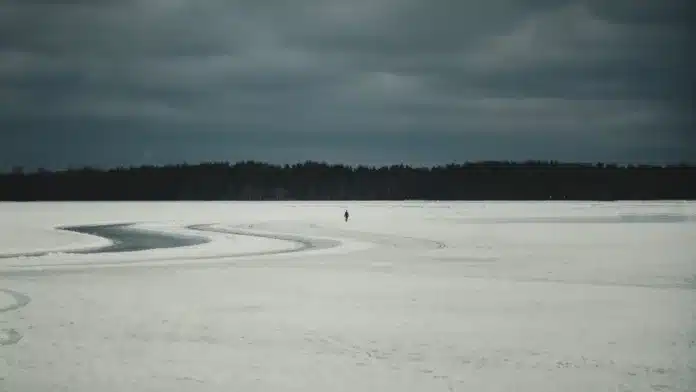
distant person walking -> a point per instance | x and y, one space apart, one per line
346 215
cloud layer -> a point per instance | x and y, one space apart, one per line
375 81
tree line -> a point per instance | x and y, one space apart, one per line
249 180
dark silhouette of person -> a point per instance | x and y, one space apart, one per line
346 215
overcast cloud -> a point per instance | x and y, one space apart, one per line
121 82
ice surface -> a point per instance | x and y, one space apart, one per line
6 300
16 238
412 296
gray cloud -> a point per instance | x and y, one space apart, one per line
611 78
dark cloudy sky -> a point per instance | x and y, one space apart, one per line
128 82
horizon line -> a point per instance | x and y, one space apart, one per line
19 169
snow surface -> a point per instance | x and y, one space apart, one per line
6 300
410 296
18 239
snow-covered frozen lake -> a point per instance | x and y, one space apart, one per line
404 296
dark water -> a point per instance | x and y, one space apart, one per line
128 239
125 239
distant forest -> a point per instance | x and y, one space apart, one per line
319 181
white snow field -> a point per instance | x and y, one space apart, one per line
406 296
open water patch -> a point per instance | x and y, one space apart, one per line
124 238
303 244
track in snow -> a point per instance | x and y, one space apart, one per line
10 336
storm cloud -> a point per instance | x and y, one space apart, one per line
120 82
